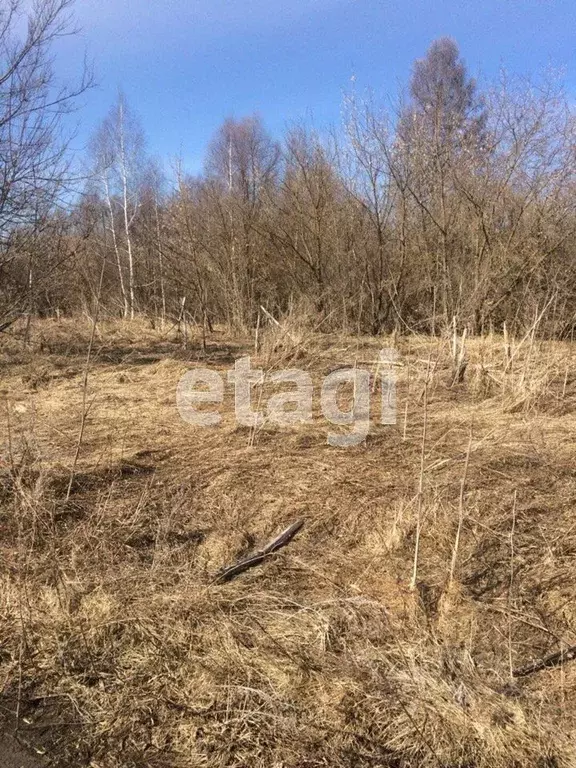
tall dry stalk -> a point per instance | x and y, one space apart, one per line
85 407
460 512
530 333
511 587
420 497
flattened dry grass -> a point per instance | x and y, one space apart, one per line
322 656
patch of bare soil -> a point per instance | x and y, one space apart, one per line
39 733
14 755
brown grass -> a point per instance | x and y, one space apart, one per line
119 648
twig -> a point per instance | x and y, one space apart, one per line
8 323
230 572
272 319
520 618
552 660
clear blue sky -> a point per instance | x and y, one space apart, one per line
186 65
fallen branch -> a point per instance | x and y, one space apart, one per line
552 660
8 323
231 571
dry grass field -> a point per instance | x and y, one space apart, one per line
119 648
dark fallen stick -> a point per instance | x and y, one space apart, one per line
552 660
231 571
8 323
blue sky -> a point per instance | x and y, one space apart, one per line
186 65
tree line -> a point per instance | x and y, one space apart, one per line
457 205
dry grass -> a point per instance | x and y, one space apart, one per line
117 645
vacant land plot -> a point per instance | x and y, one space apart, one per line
436 560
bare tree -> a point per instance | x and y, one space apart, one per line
241 171
118 167
442 125
34 168
457 206
149 239
370 182
305 228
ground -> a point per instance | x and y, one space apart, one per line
119 645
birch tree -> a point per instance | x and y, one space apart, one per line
119 164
